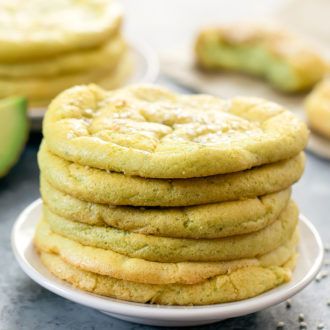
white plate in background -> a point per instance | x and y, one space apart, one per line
308 265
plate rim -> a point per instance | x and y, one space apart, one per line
175 313
151 56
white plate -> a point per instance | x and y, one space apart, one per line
146 71
179 65
308 265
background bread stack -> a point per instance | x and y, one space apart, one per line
155 197
48 47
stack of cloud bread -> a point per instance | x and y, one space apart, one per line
48 46
154 197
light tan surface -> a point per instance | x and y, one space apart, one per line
98 186
35 29
107 262
240 284
165 249
317 108
151 132
204 221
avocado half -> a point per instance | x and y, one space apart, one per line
13 131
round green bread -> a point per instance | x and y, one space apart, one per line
203 221
263 51
110 263
165 249
106 55
151 132
97 186
240 284
33 30
317 108
41 90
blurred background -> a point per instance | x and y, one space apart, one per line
168 23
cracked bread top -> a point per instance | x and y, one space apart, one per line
151 132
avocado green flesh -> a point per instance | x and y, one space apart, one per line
254 60
13 131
